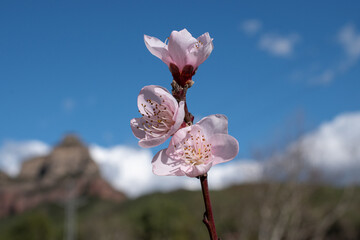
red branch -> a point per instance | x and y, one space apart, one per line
179 92
208 219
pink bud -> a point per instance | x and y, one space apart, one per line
183 54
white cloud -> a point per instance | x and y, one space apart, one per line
235 172
324 78
12 154
335 145
277 45
251 26
349 39
129 170
332 147
68 104
330 153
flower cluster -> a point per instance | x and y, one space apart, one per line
194 148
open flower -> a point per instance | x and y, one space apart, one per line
193 150
183 54
161 117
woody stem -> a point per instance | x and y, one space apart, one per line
208 219
179 93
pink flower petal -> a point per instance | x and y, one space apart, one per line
205 39
152 142
179 46
224 148
196 170
205 49
179 136
183 50
200 51
198 147
135 123
169 100
214 124
178 118
153 92
145 141
165 166
162 116
158 48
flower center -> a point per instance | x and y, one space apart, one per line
158 118
195 149
198 44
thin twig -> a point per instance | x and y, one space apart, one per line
179 92
208 219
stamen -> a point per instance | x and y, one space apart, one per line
194 150
157 118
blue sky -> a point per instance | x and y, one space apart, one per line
78 66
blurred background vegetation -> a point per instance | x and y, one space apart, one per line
251 211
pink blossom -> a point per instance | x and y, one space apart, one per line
193 150
161 117
183 54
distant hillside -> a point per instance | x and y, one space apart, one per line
67 172
246 212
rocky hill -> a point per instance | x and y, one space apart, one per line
67 172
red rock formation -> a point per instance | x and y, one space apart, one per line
66 172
